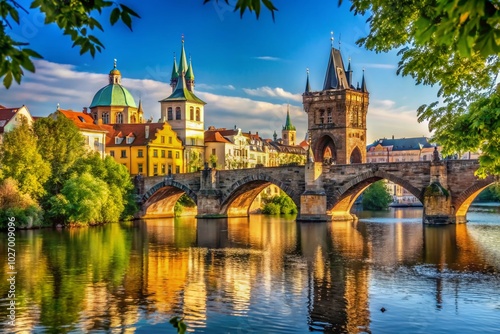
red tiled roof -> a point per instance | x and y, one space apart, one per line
215 136
82 120
138 130
7 113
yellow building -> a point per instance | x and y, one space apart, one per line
148 149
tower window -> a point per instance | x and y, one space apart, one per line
119 118
170 115
178 113
329 116
198 117
105 118
321 116
191 113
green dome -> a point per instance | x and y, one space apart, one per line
113 95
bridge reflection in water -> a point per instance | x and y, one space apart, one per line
241 274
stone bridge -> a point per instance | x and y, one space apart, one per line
322 193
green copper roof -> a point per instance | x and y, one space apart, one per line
183 67
175 71
288 124
181 93
190 74
308 87
113 95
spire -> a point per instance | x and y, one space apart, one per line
275 135
183 67
308 87
349 74
175 70
335 77
288 124
189 73
363 83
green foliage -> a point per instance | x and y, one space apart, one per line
15 204
279 204
179 324
60 144
251 6
21 160
376 197
490 194
85 199
76 19
183 202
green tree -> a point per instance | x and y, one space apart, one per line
84 200
279 204
60 144
76 19
13 203
376 197
21 160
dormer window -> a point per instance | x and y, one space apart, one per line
118 140
130 140
81 119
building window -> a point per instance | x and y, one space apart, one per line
111 153
213 151
169 169
193 141
155 153
177 155
96 142
139 168
163 153
170 115
177 169
329 116
123 154
191 113
163 139
321 116
105 118
177 113
130 140
170 154
139 153
163 169
170 140
155 169
119 118
198 118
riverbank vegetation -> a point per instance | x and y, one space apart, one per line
376 197
46 171
279 204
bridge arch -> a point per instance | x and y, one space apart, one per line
464 200
326 149
160 200
343 198
236 201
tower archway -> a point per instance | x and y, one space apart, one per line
356 156
326 151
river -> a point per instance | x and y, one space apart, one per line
386 273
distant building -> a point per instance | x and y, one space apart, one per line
113 104
400 150
185 112
148 149
11 118
94 134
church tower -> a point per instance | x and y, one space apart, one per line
288 133
184 111
336 115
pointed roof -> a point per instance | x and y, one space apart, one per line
175 71
308 87
288 124
183 66
181 93
335 77
139 108
349 74
189 73
363 84
83 121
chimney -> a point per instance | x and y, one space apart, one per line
146 131
85 110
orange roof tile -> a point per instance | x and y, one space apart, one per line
82 120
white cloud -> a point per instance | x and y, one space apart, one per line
203 86
269 58
380 66
277 92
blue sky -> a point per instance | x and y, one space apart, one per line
247 70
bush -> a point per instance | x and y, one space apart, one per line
20 206
271 209
279 204
376 197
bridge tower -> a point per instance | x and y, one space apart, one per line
337 114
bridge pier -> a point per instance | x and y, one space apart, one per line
209 196
437 198
313 200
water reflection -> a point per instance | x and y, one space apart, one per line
240 274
